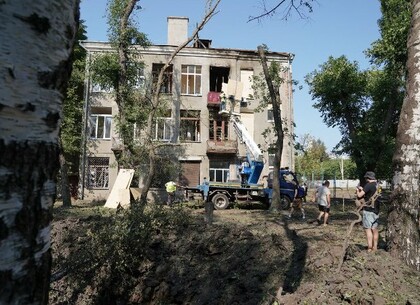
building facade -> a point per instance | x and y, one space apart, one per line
193 86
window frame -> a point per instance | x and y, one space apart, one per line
218 122
162 133
193 119
100 172
140 79
219 171
93 120
167 83
188 76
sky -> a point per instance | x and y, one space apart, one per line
334 28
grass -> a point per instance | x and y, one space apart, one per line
80 210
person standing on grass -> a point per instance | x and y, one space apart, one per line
297 200
370 213
323 196
298 204
170 190
305 188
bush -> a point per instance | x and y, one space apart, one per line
114 248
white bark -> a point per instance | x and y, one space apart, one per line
404 219
24 53
36 41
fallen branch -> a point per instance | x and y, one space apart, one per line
349 230
360 204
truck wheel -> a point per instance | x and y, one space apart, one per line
220 201
284 202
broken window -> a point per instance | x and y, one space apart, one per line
100 122
202 43
218 76
190 126
98 171
191 80
167 77
218 127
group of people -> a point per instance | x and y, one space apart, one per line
366 191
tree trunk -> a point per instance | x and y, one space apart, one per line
156 100
65 187
403 231
150 173
36 43
278 125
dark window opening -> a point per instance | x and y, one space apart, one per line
218 76
202 43
218 127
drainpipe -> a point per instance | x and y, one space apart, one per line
292 110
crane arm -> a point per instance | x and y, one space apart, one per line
246 138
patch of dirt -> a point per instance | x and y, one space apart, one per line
248 256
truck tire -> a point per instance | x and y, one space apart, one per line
220 201
285 202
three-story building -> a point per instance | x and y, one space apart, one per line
193 84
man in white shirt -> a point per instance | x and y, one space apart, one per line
323 196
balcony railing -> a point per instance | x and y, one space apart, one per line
222 147
213 98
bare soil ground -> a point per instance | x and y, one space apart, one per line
248 256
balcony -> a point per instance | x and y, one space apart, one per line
213 98
222 147
117 145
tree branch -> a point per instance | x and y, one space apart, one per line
210 12
291 6
267 13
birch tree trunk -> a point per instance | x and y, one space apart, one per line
65 185
403 231
36 42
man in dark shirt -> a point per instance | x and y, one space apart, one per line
370 214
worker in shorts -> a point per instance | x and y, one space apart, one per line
323 195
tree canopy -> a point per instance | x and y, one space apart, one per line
365 105
71 129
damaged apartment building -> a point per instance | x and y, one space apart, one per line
193 83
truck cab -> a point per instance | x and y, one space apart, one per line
288 185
